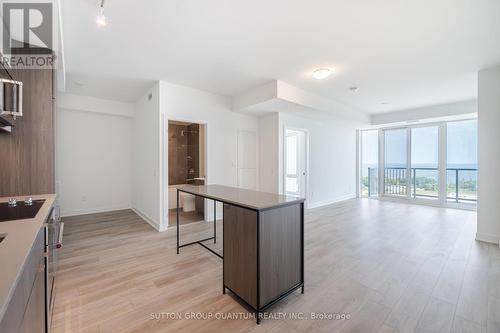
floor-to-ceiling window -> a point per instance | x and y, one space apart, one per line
395 162
435 163
424 170
369 163
461 161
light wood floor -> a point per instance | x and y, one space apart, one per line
392 267
184 217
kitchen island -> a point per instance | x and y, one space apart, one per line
263 243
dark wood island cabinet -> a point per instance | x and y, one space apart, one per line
263 245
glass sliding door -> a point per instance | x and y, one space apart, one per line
424 171
433 163
461 162
369 163
396 162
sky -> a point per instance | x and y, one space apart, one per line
461 145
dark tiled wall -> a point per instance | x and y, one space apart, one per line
183 153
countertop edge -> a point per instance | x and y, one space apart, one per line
184 188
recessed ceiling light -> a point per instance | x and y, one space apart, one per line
322 73
353 89
101 18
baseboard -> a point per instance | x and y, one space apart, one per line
488 238
93 211
318 204
149 220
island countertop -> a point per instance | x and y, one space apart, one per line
15 248
255 200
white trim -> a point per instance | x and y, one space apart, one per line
487 238
148 220
322 203
163 171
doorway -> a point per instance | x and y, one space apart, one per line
186 165
295 162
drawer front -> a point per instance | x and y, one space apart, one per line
34 316
13 316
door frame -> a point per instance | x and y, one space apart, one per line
164 166
283 171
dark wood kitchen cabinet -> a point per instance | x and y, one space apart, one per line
27 154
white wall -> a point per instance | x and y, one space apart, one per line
332 157
92 154
94 105
149 143
488 210
269 153
146 166
222 125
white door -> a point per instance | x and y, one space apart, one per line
247 160
295 163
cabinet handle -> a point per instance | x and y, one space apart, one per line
17 88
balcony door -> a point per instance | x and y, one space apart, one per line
396 169
461 159
434 163
424 171
411 163
369 163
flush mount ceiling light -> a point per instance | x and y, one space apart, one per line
101 18
322 73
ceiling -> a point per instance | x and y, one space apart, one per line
404 54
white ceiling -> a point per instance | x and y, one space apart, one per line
406 53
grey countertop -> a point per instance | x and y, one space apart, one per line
14 249
255 200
